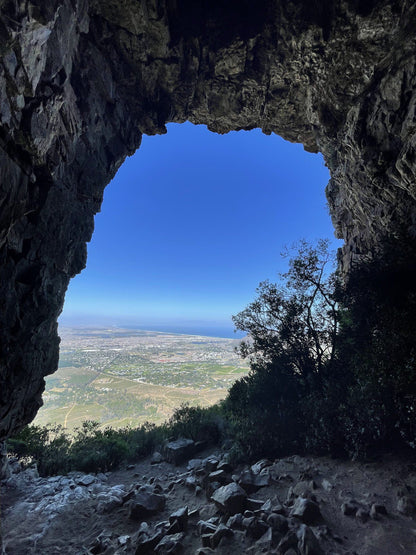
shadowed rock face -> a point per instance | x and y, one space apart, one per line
81 81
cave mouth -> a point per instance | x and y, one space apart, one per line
193 221
189 226
81 83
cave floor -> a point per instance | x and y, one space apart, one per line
62 514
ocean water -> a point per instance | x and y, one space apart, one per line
189 329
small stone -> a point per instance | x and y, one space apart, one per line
377 510
194 464
362 515
218 476
255 528
230 498
210 464
349 508
258 467
221 532
179 451
308 543
123 540
181 518
278 523
236 522
145 504
327 485
86 480
146 543
267 506
191 482
290 540
170 544
157 458
205 527
406 505
254 504
108 505
253 482
306 510
225 465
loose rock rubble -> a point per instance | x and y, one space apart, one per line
292 506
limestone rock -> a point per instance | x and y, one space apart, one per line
230 498
180 517
170 545
308 543
406 505
147 542
179 451
377 509
145 504
278 523
306 510
252 482
86 480
157 458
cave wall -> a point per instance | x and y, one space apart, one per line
82 80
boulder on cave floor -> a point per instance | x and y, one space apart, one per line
179 451
230 499
145 504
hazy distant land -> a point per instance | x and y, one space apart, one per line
123 376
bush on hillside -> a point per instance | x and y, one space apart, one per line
197 423
92 449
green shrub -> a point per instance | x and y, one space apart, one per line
263 410
92 449
48 446
197 423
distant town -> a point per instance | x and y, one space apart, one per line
123 377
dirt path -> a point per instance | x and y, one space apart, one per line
68 413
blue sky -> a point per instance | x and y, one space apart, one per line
193 222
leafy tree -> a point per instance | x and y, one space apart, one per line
292 332
295 323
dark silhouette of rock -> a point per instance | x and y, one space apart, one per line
170 545
306 510
308 543
179 451
145 504
180 517
253 482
